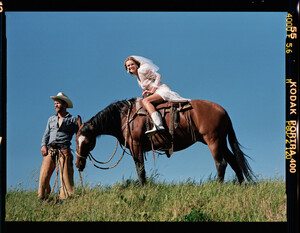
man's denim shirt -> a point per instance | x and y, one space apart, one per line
62 134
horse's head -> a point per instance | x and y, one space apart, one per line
85 141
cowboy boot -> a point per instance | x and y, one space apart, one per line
158 124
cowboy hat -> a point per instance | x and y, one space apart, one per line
64 97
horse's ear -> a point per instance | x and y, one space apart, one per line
79 122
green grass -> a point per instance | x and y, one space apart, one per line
157 201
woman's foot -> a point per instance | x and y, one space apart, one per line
158 124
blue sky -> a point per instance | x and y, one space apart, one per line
234 59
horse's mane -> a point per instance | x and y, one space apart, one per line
107 118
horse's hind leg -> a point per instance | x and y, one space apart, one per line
221 168
221 164
232 160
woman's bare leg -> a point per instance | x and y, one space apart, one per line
152 100
149 103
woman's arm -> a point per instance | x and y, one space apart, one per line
146 73
157 80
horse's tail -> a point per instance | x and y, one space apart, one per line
239 154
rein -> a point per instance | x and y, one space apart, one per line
91 157
58 167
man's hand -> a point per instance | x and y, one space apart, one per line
44 151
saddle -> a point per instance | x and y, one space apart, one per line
171 107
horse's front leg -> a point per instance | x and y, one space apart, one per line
140 169
138 158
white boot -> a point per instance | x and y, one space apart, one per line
158 124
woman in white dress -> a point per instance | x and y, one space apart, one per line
154 91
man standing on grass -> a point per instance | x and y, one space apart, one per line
56 148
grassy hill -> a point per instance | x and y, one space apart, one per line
157 201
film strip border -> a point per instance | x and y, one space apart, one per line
292 113
292 116
3 98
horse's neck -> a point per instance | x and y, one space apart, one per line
110 128
110 121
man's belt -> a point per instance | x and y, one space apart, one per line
59 146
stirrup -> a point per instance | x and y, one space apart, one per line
154 130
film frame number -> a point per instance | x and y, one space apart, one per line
290 28
1 7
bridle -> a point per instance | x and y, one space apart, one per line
80 156
91 157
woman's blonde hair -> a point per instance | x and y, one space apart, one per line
133 59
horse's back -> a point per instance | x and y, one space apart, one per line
208 116
206 105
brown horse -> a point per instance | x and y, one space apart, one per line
206 122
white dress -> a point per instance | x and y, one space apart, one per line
150 78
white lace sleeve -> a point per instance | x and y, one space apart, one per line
146 73
157 80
